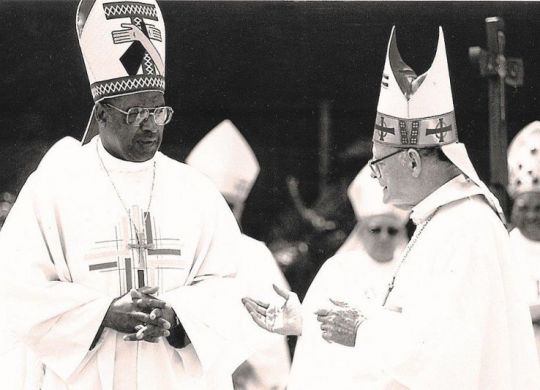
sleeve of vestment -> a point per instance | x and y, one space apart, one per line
209 305
57 318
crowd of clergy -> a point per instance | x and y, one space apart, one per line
125 269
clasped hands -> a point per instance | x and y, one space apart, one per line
339 324
141 316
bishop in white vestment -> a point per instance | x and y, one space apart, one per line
95 223
454 316
73 248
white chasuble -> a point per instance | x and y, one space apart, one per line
87 228
457 317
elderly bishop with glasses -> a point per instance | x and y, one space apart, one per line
119 261
454 315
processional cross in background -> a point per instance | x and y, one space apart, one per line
500 71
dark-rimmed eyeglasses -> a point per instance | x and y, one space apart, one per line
137 115
373 163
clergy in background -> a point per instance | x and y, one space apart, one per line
226 158
360 271
524 189
118 262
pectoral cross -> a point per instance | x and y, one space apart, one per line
142 248
499 71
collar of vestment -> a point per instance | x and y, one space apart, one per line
114 164
458 188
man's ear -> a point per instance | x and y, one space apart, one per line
100 113
415 162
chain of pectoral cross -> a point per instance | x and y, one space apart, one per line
415 237
141 246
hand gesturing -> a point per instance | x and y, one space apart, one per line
285 319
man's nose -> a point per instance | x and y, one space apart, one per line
149 124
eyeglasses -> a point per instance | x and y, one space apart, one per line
390 230
373 163
137 115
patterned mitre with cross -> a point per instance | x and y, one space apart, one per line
524 161
123 46
415 111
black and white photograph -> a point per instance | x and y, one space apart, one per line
269 195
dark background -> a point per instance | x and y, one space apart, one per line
267 66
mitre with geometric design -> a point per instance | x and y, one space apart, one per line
524 161
415 111
226 158
123 46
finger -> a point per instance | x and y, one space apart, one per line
127 25
130 337
259 320
255 302
151 303
140 316
155 313
339 303
148 290
322 312
327 337
138 327
140 333
135 295
155 331
255 308
281 291
163 323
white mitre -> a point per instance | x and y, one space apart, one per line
524 161
418 112
227 159
415 111
123 46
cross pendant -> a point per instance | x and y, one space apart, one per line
142 248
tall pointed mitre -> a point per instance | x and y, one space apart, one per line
415 111
227 159
418 112
123 46
524 161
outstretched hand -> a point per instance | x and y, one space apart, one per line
285 319
340 323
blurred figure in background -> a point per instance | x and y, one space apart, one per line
524 189
227 159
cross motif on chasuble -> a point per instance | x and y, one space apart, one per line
136 254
